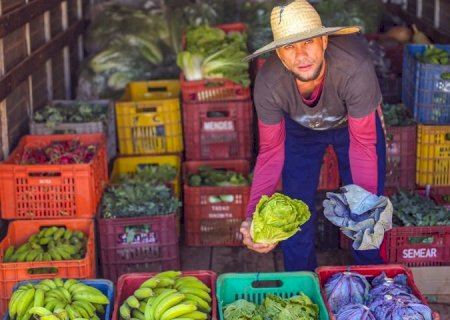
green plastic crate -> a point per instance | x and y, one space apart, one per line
255 286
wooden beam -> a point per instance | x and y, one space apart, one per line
21 71
15 19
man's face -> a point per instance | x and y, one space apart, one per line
304 59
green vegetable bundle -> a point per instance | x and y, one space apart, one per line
411 209
273 308
212 53
434 55
144 193
396 115
208 176
277 218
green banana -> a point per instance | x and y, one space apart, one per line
51 304
8 254
39 311
49 317
197 292
71 313
69 283
193 284
167 303
125 312
99 308
80 311
49 283
133 302
143 293
86 306
150 308
50 231
177 311
150 283
44 241
90 297
165 282
196 315
137 314
14 302
68 234
202 304
55 254
168 274
38 298
59 233
25 301
63 253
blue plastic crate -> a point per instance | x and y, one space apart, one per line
424 90
105 286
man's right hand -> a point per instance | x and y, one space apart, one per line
248 241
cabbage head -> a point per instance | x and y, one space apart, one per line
277 218
394 308
355 312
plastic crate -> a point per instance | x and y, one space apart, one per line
441 196
218 89
108 127
391 89
425 91
218 130
153 248
128 283
52 191
105 286
419 246
433 155
214 224
369 272
254 287
18 233
401 155
124 165
149 123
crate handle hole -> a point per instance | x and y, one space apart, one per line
156 89
421 240
147 165
214 84
220 198
45 174
41 270
217 114
148 109
267 284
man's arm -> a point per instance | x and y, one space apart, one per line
269 162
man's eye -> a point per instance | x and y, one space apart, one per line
308 41
289 46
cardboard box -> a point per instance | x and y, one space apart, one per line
433 283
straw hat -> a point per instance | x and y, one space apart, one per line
296 22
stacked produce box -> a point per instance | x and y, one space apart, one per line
50 188
217 122
139 212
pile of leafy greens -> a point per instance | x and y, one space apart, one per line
212 53
76 112
273 308
396 115
144 193
208 176
278 218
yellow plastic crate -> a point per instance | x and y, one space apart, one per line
124 165
433 155
152 90
149 126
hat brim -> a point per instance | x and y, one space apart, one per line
301 37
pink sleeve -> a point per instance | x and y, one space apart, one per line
269 162
362 153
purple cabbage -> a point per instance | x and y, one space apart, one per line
399 308
382 278
355 312
345 288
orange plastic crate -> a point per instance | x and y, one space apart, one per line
18 233
214 224
45 191
128 283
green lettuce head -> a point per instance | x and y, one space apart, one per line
277 218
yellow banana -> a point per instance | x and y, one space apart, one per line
38 298
167 303
125 312
168 274
25 301
197 292
177 311
202 304
143 293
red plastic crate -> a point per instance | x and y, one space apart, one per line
218 130
401 246
401 156
128 283
214 224
18 233
441 196
214 89
67 191
155 248
369 272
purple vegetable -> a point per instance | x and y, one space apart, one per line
399 308
346 288
400 279
355 312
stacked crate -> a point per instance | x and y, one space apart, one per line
149 134
426 93
38 196
217 123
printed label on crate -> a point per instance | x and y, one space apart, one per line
137 235
228 215
218 125
421 253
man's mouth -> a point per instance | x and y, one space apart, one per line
304 67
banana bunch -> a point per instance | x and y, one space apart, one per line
52 243
57 300
434 55
167 296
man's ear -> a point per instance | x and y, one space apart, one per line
325 41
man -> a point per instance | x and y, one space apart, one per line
319 87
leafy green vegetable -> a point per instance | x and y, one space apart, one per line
208 176
396 115
277 218
191 63
143 193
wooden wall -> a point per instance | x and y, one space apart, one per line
40 49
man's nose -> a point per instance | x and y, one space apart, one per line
300 50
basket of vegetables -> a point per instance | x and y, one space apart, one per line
54 176
212 66
71 117
216 194
138 222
